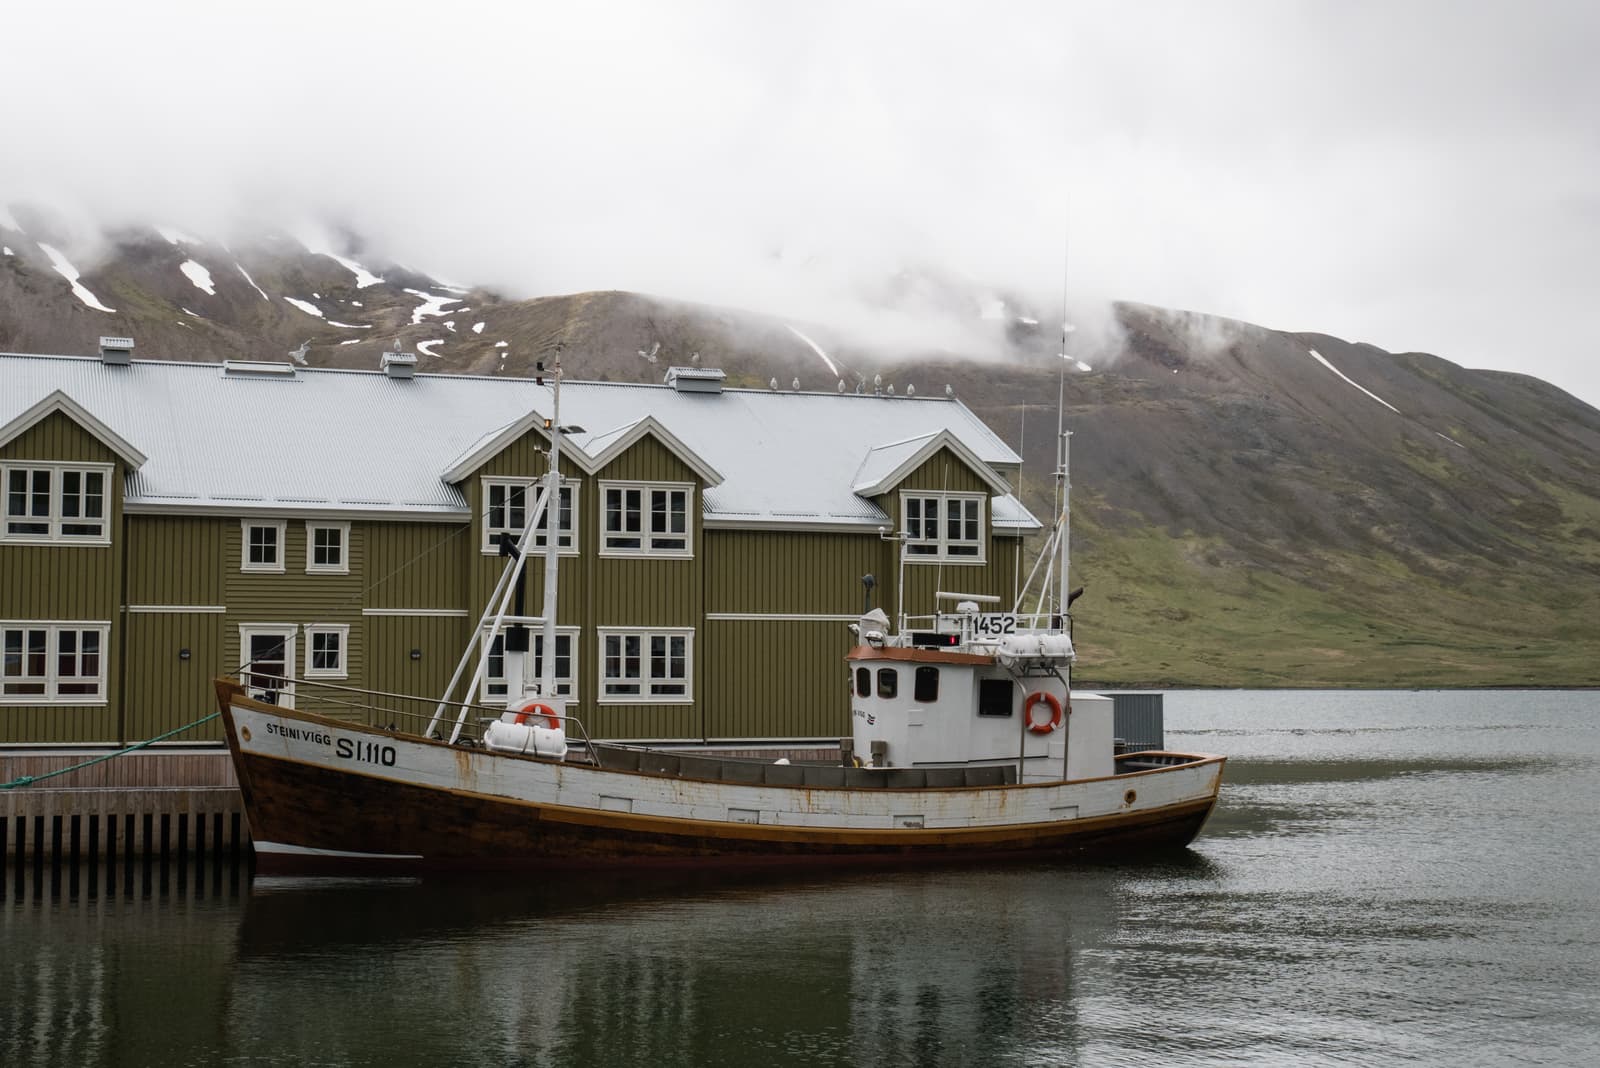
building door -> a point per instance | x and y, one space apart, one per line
268 673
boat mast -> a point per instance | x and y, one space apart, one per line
547 673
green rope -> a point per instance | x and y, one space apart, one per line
29 780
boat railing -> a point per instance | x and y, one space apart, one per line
384 710
989 626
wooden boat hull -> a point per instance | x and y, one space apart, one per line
326 795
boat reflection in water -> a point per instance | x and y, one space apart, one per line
914 967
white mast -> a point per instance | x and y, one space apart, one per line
547 674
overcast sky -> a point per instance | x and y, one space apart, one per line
1417 175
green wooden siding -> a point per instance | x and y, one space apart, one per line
776 679
418 565
795 572
390 668
64 584
163 690
176 560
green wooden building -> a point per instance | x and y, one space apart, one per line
166 522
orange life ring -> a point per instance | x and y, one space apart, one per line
1055 712
534 708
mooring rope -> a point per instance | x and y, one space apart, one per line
28 780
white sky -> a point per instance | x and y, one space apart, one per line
1420 175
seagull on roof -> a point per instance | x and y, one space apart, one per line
949 390
695 359
651 355
841 385
299 355
774 382
796 383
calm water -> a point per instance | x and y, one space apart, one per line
1390 878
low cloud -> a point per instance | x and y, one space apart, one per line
1420 176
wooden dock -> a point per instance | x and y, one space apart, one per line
153 804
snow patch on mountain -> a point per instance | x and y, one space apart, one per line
201 277
364 277
351 326
477 328
305 306
1324 362
173 236
432 305
816 349
422 347
65 268
253 285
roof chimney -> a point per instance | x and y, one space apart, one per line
116 351
695 379
399 364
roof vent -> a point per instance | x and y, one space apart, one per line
399 364
257 369
116 351
695 379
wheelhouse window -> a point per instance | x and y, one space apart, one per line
646 666
925 688
53 663
888 683
495 686
506 503
863 682
328 548
646 519
944 527
263 545
995 697
57 503
327 651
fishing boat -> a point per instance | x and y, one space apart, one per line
967 742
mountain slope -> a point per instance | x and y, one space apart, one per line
1251 506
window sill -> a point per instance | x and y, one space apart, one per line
45 539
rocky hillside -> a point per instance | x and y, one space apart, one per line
1251 507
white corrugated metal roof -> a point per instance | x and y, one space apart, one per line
361 441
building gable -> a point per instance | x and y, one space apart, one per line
59 428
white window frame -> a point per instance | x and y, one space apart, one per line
286 631
282 527
339 630
52 679
55 520
941 543
568 545
646 537
566 685
314 568
646 680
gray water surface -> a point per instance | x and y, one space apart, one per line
1390 878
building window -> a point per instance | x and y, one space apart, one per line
57 503
328 548
267 652
327 649
505 512
263 545
494 678
925 688
888 682
943 526
645 519
645 666
53 663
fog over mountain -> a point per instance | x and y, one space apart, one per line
1418 176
